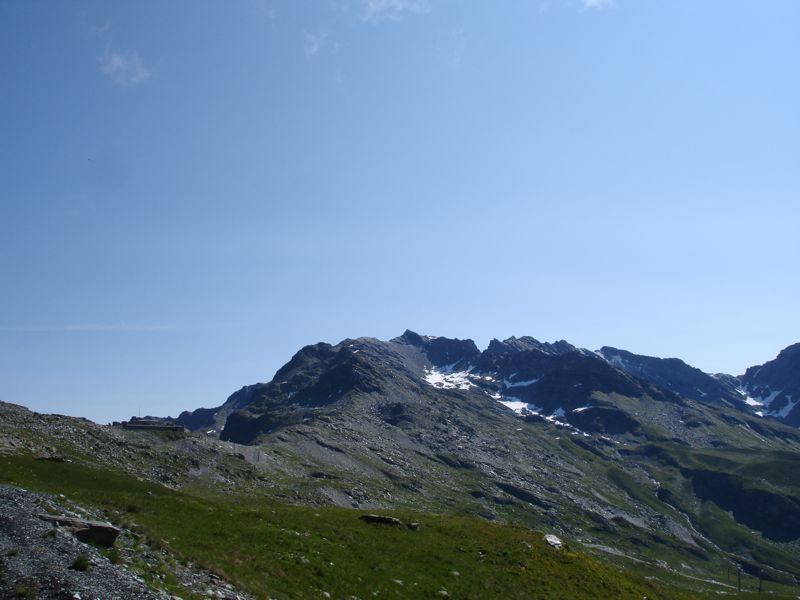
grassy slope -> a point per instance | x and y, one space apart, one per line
284 551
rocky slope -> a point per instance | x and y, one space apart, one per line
40 559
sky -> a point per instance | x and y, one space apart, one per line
192 191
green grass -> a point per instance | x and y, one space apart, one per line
81 563
284 551
23 590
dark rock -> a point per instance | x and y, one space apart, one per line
380 520
522 494
442 351
603 419
95 532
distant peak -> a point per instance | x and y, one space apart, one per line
527 343
411 338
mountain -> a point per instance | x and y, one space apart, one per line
620 456
774 387
676 376
622 453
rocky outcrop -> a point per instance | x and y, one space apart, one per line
37 563
91 532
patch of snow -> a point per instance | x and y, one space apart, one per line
580 409
447 379
512 384
752 401
525 408
516 405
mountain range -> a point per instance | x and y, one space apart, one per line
656 468
642 457
528 376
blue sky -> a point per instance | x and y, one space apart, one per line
191 191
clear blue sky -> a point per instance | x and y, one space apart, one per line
191 191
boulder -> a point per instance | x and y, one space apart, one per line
554 541
95 532
380 520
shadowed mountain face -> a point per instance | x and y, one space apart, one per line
774 387
676 376
612 448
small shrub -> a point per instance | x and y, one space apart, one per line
132 508
81 563
22 590
114 556
12 552
49 534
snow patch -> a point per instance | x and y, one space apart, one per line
512 384
447 379
516 405
524 408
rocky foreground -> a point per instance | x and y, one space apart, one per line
41 559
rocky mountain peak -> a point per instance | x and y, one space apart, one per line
441 351
527 343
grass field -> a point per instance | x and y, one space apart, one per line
279 551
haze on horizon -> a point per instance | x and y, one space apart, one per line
191 191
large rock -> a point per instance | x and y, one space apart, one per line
94 532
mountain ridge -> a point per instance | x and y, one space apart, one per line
668 375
